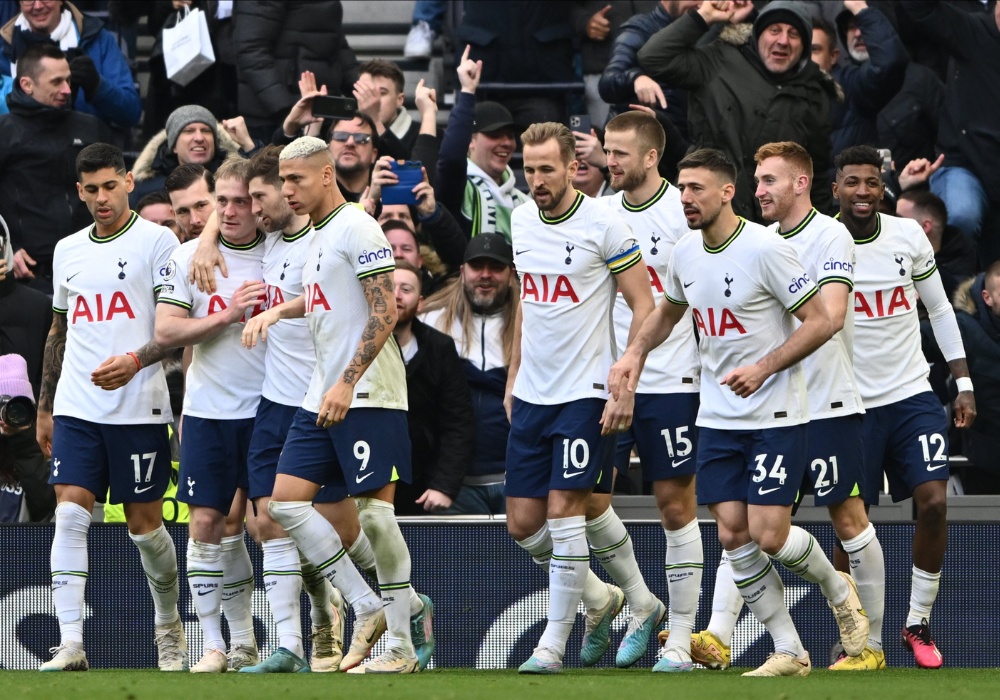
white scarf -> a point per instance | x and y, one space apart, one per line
66 34
496 201
401 124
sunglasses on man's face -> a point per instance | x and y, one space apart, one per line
359 138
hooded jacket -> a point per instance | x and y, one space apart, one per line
38 197
736 105
116 100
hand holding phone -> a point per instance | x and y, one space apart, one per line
410 174
334 107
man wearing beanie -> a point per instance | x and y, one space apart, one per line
25 495
753 85
192 135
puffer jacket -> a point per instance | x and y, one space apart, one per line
736 105
275 41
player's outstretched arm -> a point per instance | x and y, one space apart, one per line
174 328
816 329
256 328
207 257
380 292
118 370
660 322
55 349
515 364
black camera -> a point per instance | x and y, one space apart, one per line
17 411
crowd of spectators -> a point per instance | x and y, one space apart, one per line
917 78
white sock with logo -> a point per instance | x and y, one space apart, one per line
684 564
868 570
69 565
237 591
159 561
764 594
204 575
364 558
567 574
318 542
727 603
612 546
283 588
539 546
802 555
392 562
320 592
923 593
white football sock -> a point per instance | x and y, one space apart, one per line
684 565
764 594
727 603
319 543
237 591
802 555
392 561
612 546
320 592
364 558
159 561
923 593
70 565
539 546
567 574
204 575
283 587
868 570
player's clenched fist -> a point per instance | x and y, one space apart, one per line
336 401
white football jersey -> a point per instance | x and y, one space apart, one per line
347 247
659 223
106 288
888 361
567 267
289 354
826 250
224 379
742 294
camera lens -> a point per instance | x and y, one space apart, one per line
17 412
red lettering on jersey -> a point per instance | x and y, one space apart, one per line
216 304
561 288
277 297
315 298
118 305
564 289
897 300
727 322
654 280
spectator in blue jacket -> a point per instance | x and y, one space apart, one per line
870 75
99 69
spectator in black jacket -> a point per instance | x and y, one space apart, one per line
870 75
275 41
39 141
624 82
969 137
477 310
597 23
25 317
442 429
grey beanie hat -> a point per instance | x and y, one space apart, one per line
189 114
788 12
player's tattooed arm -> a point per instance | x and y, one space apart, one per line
55 349
149 353
380 293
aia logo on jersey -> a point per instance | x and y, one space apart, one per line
217 304
881 303
546 291
97 311
273 296
720 322
315 299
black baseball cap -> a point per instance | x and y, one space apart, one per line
492 116
489 245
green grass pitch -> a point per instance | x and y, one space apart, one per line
447 684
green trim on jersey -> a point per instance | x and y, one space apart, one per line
664 184
291 238
725 244
128 224
878 230
60 311
798 229
565 217
918 278
329 217
803 300
381 270
675 301
842 280
246 246
173 302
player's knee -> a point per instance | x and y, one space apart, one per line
675 515
770 542
849 519
732 539
932 507
519 531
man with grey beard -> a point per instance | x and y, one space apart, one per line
477 310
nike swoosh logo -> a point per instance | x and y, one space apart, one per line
139 490
359 479
763 492
201 593
934 469
688 284
519 252
72 276
823 493
568 475
675 463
